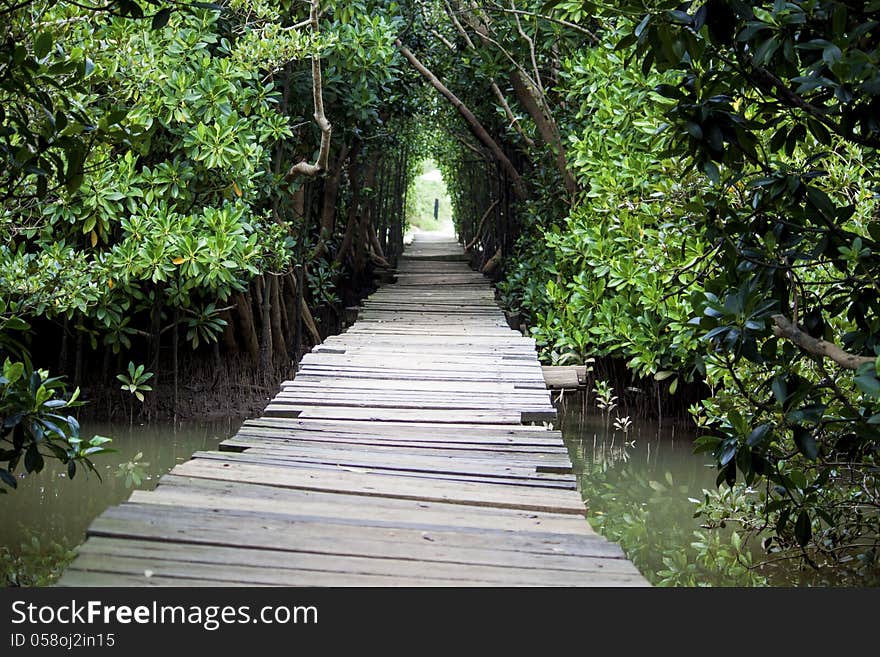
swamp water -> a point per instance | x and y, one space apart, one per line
49 508
640 486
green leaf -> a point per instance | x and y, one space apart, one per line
13 371
727 452
736 541
765 51
694 130
706 444
74 182
806 442
803 528
758 435
869 384
8 478
821 201
779 389
711 170
43 44
33 460
160 18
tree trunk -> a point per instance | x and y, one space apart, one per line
246 328
354 180
307 318
492 263
62 353
306 168
310 325
279 346
78 359
265 304
532 101
365 214
329 201
175 369
288 295
229 343
299 202
377 247
286 326
155 332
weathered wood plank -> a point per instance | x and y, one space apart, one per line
540 461
335 536
260 567
570 377
379 485
437 469
190 492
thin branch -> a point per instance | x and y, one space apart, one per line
458 25
464 142
478 233
551 19
9 10
514 121
446 42
485 38
532 54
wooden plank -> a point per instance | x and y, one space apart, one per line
373 435
371 414
417 430
260 567
332 536
259 435
504 455
177 490
437 469
536 454
375 485
415 398
570 377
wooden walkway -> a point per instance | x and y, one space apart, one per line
397 456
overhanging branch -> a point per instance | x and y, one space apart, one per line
784 328
474 124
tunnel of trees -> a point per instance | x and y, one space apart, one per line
683 194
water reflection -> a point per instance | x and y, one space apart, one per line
639 486
651 449
52 508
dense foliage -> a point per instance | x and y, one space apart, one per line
150 199
729 233
687 188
